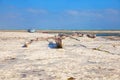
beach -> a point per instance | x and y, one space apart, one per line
87 59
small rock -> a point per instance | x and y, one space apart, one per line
71 78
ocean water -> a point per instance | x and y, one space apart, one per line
108 34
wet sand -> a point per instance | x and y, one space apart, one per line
87 59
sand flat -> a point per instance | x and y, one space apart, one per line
79 59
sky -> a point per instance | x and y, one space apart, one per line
60 14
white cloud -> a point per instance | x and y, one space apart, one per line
72 12
37 11
112 11
84 13
94 13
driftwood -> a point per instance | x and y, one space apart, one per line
80 35
67 35
98 49
30 42
58 39
25 45
77 34
91 35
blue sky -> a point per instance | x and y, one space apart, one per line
60 14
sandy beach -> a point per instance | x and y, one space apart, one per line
87 59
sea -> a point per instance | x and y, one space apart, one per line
108 34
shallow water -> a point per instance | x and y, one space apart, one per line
108 34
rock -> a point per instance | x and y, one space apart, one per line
71 78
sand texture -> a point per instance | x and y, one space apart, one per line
87 59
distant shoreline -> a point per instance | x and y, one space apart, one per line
67 31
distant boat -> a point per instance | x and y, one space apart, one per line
31 30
